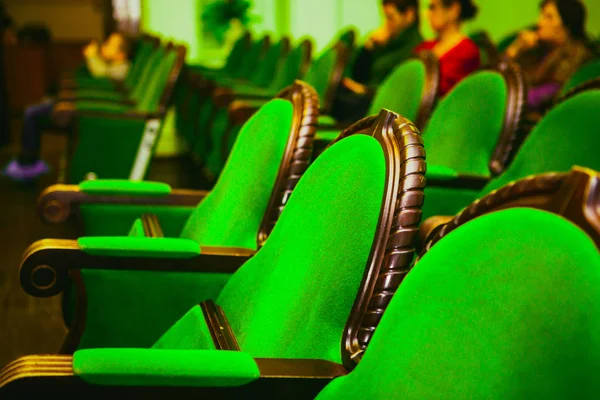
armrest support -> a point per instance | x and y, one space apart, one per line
59 202
47 263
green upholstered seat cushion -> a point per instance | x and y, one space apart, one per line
116 246
145 367
505 307
100 94
587 72
293 298
328 136
232 212
467 123
401 91
565 137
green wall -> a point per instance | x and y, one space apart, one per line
322 19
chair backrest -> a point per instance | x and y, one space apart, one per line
343 257
149 69
252 58
293 66
160 89
573 195
587 72
487 49
142 55
237 53
507 306
270 154
479 115
269 63
410 90
566 136
326 72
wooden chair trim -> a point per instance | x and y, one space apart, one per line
431 88
394 244
218 326
512 135
151 226
574 195
298 151
591 84
59 202
52 375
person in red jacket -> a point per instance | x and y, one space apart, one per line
458 55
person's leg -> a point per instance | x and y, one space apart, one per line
28 165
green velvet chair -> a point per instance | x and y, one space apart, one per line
121 92
587 73
488 52
345 264
97 128
563 138
324 74
507 305
235 217
233 62
410 90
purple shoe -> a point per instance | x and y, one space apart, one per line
19 172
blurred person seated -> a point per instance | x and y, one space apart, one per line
384 50
111 59
389 45
458 55
550 54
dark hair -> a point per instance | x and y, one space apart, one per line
468 10
573 15
404 5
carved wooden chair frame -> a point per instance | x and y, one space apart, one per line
574 195
391 255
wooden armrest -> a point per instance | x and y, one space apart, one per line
357 88
58 203
47 263
54 375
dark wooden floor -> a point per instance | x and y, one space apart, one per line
30 325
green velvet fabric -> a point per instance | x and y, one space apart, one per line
153 92
115 246
239 198
565 137
505 307
401 91
466 125
124 187
214 161
293 298
445 200
268 66
141 367
319 72
96 145
289 70
137 229
189 333
587 72
116 219
135 308
441 172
